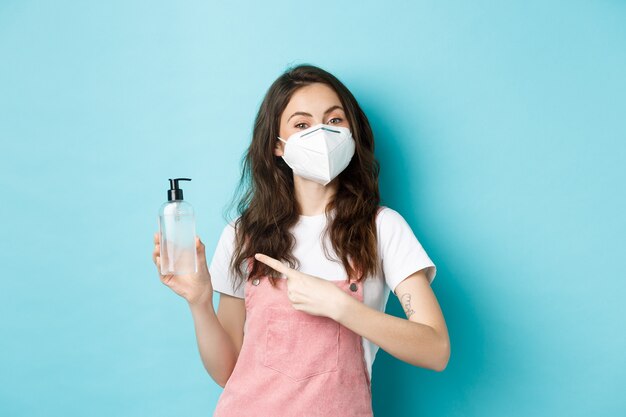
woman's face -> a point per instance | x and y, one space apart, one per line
310 105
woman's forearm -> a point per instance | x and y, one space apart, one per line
216 348
411 342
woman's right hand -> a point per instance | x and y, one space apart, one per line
195 288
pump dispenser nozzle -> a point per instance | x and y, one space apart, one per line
175 193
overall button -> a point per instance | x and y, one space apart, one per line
255 281
353 287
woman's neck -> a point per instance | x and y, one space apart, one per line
313 197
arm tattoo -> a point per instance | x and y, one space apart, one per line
405 299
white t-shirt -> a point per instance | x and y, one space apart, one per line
401 254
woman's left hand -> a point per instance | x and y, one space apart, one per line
306 292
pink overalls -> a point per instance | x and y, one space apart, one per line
294 364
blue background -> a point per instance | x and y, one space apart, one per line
500 128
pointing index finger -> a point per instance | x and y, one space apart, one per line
273 263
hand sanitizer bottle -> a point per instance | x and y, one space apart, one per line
177 228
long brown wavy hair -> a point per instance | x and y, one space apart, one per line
267 207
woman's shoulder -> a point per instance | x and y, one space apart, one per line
386 216
390 225
229 227
227 234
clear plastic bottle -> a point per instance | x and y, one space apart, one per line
177 229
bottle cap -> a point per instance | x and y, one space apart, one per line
175 193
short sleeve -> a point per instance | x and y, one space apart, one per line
221 279
400 251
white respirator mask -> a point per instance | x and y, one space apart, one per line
320 152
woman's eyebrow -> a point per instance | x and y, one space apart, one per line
301 113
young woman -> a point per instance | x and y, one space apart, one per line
304 272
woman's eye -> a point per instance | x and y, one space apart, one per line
301 126
335 118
